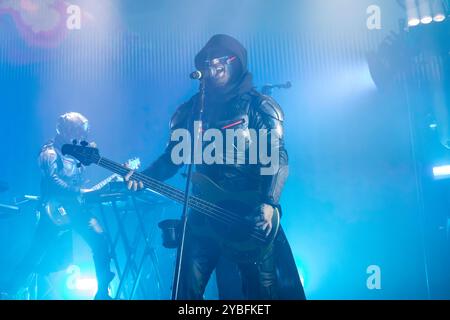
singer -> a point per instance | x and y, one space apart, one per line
231 101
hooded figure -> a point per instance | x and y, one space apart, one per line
240 79
231 102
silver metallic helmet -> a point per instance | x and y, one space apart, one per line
72 126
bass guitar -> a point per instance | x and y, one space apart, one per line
226 213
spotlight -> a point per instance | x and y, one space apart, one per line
437 8
426 19
413 22
441 171
425 12
86 284
439 17
412 13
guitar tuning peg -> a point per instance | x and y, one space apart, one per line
84 143
74 142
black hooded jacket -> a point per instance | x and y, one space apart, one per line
240 106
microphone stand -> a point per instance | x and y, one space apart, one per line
268 88
196 116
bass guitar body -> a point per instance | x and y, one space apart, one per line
56 212
230 223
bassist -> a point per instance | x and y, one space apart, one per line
61 187
230 102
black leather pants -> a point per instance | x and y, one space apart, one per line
200 259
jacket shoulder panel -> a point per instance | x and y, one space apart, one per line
268 106
48 154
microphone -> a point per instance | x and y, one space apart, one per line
200 75
196 75
288 85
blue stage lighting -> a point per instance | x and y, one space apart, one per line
86 284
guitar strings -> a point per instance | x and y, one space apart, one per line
179 194
211 210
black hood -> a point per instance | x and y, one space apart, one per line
222 45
